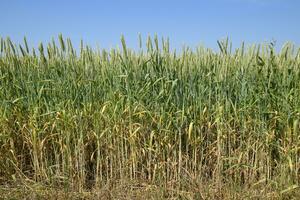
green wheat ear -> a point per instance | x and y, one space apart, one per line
124 47
22 51
156 42
149 44
140 41
33 53
41 51
26 45
53 47
165 45
10 46
2 45
81 48
62 42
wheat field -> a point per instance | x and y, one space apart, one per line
196 124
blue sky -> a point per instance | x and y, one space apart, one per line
188 22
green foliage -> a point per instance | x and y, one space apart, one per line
84 120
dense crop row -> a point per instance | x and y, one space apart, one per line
86 118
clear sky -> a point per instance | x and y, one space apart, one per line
188 22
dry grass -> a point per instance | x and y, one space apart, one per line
126 190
